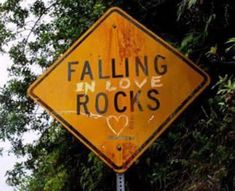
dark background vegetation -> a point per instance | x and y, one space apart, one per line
195 154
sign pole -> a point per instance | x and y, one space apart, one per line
120 182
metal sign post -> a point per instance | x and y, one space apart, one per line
120 182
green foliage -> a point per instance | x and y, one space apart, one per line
231 43
195 154
4 35
185 4
226 91
190 42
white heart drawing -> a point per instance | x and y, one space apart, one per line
117 119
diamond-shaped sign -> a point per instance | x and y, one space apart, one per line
118 88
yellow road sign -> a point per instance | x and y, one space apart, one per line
118 87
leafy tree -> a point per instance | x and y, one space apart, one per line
195 154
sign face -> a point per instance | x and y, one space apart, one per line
118 88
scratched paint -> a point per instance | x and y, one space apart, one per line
127 150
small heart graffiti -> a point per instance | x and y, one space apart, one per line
117 123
